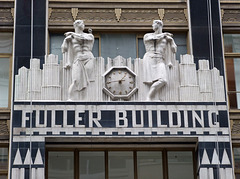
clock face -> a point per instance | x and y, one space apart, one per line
120 81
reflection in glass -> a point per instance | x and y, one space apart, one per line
4 81
91 165
180 165
233 79
120 165
232 43
3 176
237 176
236 152
149 165
60 165
113 45
3 158
6 42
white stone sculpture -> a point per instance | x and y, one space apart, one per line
51 88
77 59
34 80
157 57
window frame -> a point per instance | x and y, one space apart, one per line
230 55
8 108
132 148
235 170
5 171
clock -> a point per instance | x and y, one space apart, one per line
119 82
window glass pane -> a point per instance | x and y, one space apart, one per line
180 40
179 163
3 176
141 48
95 49
92 165
3 158
6 40
149 165
233 79
113 45
56 41
236 152
120 165
4 81
60 165
237 176
232 43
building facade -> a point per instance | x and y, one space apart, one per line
190 128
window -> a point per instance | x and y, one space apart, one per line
120 164
3 162
236 153
114 44
5 69
60 165
232 61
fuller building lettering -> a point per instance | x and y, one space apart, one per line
65 117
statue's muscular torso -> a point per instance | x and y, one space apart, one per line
82 46
155 43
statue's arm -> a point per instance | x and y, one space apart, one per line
172 43
65 50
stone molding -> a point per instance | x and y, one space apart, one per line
99 18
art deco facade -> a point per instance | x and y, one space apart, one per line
203 143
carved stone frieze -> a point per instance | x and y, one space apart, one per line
231 16
236 127
139 15
116 16
60 16
161 13
175 16
6 15
97 15
118 13
12 12
74 13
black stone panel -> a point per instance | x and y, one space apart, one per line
38 41
23 32
23 12
205 16
199 25
39 12
22 41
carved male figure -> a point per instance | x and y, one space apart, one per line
77 51
155 58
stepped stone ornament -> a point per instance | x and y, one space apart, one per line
157 56
77 58
80 76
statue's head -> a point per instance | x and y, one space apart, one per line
79 24
157 24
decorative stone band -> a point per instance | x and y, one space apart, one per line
184 83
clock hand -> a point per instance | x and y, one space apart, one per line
114 81
123 77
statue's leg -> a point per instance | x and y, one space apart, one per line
154 88
71 91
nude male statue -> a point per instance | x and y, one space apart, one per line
79 58
154 67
